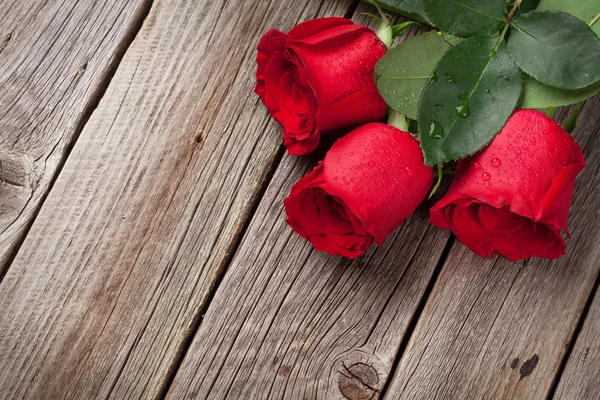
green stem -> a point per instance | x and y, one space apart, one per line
571 123
512 13
397 120
385 29
440 174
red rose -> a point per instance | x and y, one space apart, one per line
513 197
319 77
368 184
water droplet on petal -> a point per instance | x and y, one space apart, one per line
496 162
517 150
408 170
486 176
477 165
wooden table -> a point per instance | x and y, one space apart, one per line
144 251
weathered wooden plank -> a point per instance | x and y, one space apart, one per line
499 330
114 273
56 58
289 322
581 377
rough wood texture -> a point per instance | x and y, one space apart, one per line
110 282
289 322
55 61
499 330
581 377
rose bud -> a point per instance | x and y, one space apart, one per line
369 182
318 78
513 197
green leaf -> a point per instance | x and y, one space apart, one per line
537 95
402 73
410 8
586 10
451 39
556 49
467 18
476 90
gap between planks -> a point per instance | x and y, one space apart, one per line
195 325
8 254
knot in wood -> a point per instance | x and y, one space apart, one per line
359 381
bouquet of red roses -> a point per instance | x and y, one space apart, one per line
473 98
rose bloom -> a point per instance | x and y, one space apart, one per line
319 78
513 197
368 184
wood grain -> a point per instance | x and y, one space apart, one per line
581 377
289 322
111 280
493 329
56 58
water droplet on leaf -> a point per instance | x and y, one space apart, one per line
435 130
463 111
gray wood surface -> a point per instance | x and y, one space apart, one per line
498 330
581 378
56 58
110 282
289 322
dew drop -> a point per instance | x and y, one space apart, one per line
517 150
434 77
435 130
335 178
408 170
450 78
477 165
496 162
486 176
463 111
